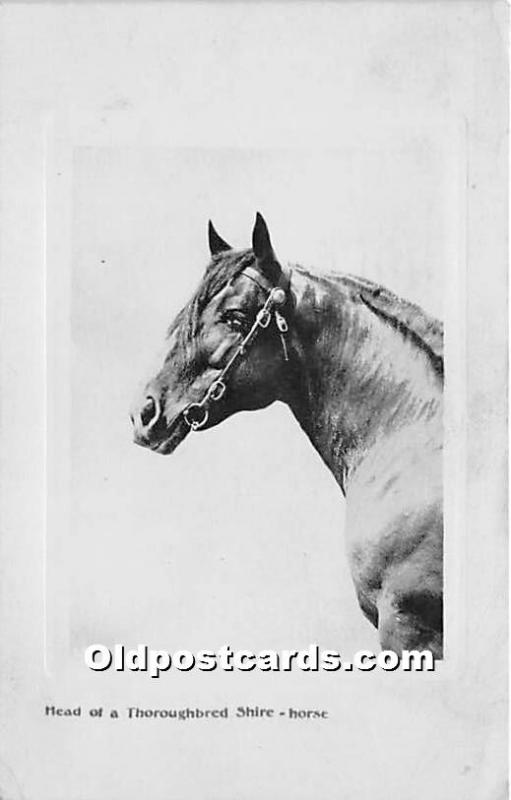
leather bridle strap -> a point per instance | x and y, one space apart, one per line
263 282
196 414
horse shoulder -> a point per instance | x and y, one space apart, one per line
394 508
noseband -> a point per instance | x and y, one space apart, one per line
196 414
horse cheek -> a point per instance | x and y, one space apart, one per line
219 353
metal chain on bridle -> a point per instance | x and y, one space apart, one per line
196 414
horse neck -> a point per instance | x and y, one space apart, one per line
356 379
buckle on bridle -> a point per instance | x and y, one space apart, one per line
263 317
281 322
192 421
216 390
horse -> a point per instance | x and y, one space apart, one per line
362 372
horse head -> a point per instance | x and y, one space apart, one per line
224 350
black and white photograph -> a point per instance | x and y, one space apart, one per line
254 394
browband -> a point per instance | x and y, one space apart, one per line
263 282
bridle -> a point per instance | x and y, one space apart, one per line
197 414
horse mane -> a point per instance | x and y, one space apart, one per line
406 317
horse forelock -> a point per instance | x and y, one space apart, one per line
222 269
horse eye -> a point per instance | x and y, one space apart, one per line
234 323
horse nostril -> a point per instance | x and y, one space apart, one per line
148 412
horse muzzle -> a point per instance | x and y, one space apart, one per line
151 429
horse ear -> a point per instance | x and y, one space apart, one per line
216 243
261 242
263 250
